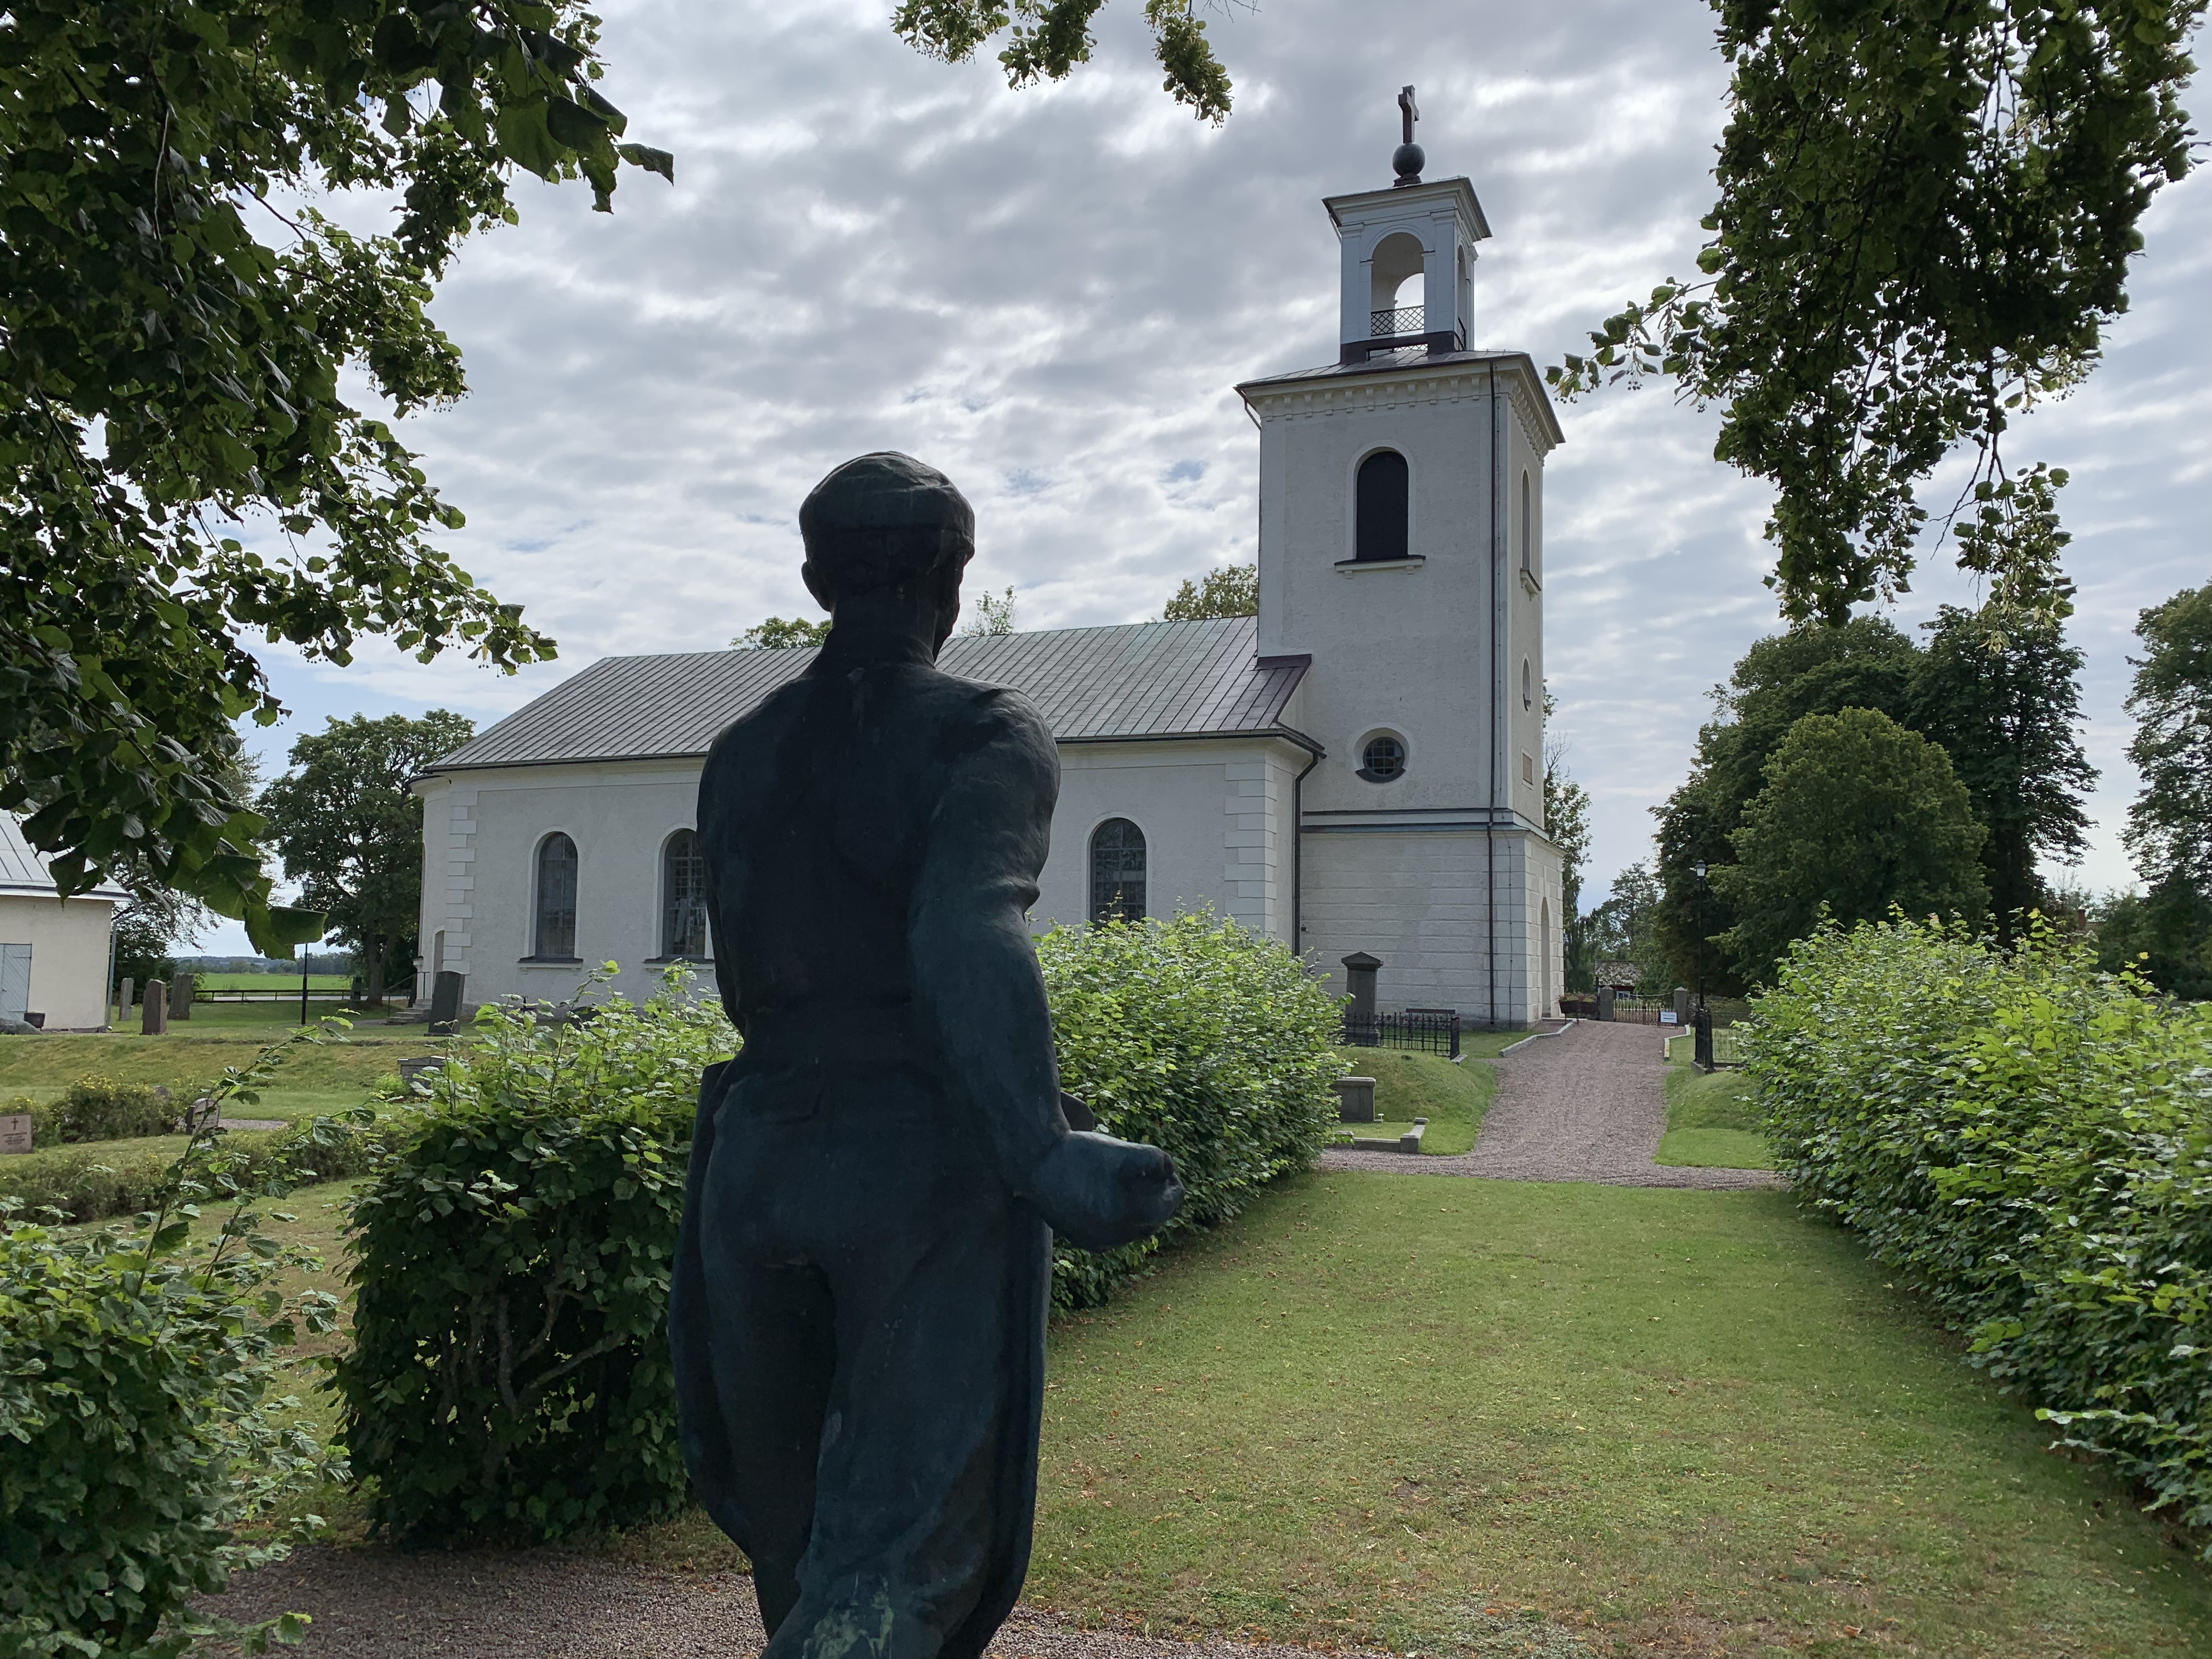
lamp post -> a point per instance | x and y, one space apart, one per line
1699 869
1702 1045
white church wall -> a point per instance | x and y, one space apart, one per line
1524 609
1419 900
1544 970
1416 899
1396 647
1213 815
480 890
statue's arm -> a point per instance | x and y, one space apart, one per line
975 978
975 971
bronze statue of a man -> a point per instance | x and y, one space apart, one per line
859 1308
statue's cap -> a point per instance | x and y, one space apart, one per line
885 491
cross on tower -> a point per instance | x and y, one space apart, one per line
1409 159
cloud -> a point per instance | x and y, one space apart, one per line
1051 294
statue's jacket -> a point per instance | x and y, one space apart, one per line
873 834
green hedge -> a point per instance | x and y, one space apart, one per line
509 1372
2029 1142
91 1181
1199 1037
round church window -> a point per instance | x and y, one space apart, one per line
1384 757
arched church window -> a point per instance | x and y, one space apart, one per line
1528 685
1382 504
1382 758
555 934
683 895
1117 871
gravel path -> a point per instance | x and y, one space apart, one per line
1587 1104
381 1604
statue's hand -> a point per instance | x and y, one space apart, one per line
1097 1192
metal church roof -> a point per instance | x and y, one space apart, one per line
1165 679
22 870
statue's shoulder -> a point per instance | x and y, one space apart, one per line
982 713
751 738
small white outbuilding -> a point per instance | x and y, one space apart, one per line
53 951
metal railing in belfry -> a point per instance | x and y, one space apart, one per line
1428 1033
1406 320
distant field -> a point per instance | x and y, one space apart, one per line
273 981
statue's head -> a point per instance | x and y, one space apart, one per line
886 521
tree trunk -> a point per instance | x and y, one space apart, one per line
372 947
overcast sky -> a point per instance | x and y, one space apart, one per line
1050 295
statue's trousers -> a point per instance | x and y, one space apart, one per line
858 1325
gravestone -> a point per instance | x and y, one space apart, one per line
857 1315
1359 980
1604 1002
14 1132
180 997
154 1019
202 1114
123 998
1355 1100
445 1002
409 1070
1681 1005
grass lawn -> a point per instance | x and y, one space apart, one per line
1384 1410
1409 1086
323 1079
1699 1421
1710 1121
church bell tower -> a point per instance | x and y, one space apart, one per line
1401 551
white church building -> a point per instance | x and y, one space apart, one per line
1357 768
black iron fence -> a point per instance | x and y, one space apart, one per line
275 991
1645 1011
1427 1032
1713 1047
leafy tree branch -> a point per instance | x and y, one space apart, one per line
1046 39
169 380
1925 215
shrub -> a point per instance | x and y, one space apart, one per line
1203 1039
111 1178
135 1374
2029 1141
95 1109
509 1372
